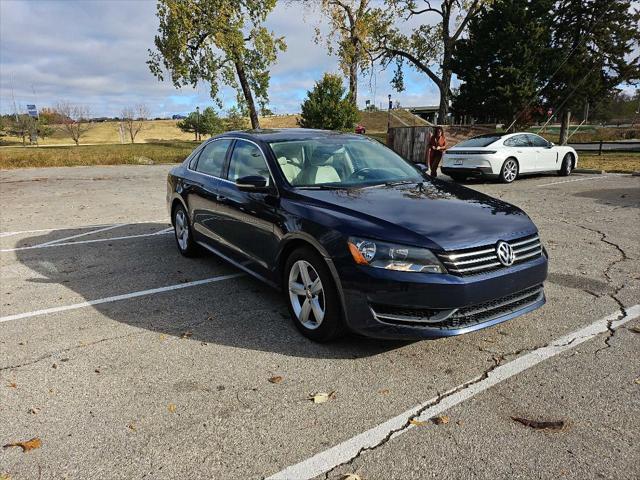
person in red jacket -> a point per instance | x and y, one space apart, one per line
437 145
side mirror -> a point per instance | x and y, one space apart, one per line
252 183
550 144
422 167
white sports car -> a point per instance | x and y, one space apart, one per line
507 156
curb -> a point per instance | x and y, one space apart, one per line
588 170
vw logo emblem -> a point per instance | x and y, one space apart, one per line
505 254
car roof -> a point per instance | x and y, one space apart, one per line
285 134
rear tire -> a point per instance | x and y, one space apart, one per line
311 296
182 232
509 171
567 166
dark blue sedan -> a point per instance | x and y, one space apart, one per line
356 237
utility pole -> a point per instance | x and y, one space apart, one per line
389 114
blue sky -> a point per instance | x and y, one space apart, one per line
93 52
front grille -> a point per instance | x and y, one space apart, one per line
484 259
453 319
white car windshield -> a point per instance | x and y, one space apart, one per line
479 141
341 162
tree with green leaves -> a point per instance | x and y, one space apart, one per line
429 48
328 106
207 122
222 42
502 60
594 49
350 36
235 120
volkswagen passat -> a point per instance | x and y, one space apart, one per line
356 237
505 157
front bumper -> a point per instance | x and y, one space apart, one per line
386 304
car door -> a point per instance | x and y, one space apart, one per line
202 188
546 156
248 218
520 148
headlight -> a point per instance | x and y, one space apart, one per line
393 257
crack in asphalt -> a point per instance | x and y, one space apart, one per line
68 349
607 274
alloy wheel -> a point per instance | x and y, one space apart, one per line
510 170
306 294
182 229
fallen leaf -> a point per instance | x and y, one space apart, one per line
186 334
322 397
12 385
171 407
25 446
540 425
459 423
132 426
34 410
276 379
4 476
638 380
97 370
417 423
163 337
54 366
350 476
440 420
384 391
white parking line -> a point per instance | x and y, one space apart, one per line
82 227
575 180
343 452
116 298
59 240
97 240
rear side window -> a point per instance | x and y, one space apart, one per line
517 141
247 160
211 160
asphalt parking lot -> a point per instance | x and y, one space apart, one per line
129 361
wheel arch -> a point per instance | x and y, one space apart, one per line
174 204
299 240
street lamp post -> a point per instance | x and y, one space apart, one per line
198 137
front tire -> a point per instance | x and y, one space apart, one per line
311 296
509 171
567 166
183 234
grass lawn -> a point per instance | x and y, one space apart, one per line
611 162
133 154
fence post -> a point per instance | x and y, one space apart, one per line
600 149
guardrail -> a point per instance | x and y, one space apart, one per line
604 146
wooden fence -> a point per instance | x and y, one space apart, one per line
410 142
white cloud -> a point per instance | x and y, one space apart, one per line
94 52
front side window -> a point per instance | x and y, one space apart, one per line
341 162
537 141
211 160
247 160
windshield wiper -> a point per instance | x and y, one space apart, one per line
323 187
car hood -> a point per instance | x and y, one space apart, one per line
435 214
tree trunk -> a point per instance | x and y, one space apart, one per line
353 72
248 96
564 127
444 87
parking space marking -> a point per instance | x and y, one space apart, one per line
59 240
96 240
345 451
575 180
115 298
82 227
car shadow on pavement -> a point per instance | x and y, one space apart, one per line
239 312
619 197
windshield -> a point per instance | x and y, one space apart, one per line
480 141
341 162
